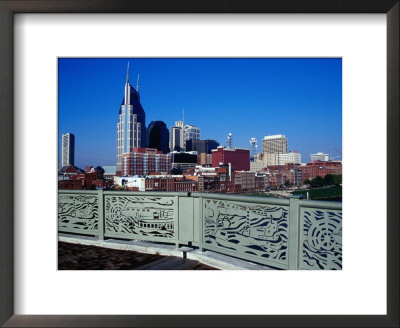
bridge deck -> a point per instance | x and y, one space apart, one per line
85 257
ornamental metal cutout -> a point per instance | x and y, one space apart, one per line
320 239
254 229
140 216
78 212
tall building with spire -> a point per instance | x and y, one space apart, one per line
131 126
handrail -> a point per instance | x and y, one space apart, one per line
284 233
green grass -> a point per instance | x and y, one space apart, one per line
258 194
321 193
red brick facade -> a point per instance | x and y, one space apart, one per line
239 158
145 161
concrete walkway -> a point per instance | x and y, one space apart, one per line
213 259
169 263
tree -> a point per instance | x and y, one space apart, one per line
337 179
317 182
328 180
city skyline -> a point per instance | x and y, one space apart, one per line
300 98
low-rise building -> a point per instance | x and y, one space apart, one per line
183 161
160 183
291 157
320 168
135 182
320 156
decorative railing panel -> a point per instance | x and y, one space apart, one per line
283 233
249 229
320 239
78 213
144 216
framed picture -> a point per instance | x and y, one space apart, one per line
15 280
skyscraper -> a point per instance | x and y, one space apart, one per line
272 145
191 132
131 127
201 146
68 149
158 136
177 137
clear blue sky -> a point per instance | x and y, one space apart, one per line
300 98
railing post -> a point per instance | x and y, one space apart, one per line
294 222
176 226
100 204
201 240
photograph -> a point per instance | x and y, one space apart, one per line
203 137
199 163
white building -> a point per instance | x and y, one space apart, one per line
291 157
109 171
130 182
68 149
130 126
191 132
319 157
257 164
272 145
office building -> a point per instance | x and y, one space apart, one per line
131 128
158 136
201 146
183 160
272 145
204 159
291 157
177 143
319 157
144 161
68 149
238 159
191 132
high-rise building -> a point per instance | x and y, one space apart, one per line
272 145
131 128
68 149
158 136
191 132
201 146
177 137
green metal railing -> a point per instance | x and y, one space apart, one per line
283 233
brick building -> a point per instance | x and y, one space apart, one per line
73 178
144 161
238 158
160 183
204 159
319 168
186 185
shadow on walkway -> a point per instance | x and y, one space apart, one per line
83 257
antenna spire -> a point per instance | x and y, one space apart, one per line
137 84
183 114
127 74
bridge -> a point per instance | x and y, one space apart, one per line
292 233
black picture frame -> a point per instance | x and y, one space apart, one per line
10 7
